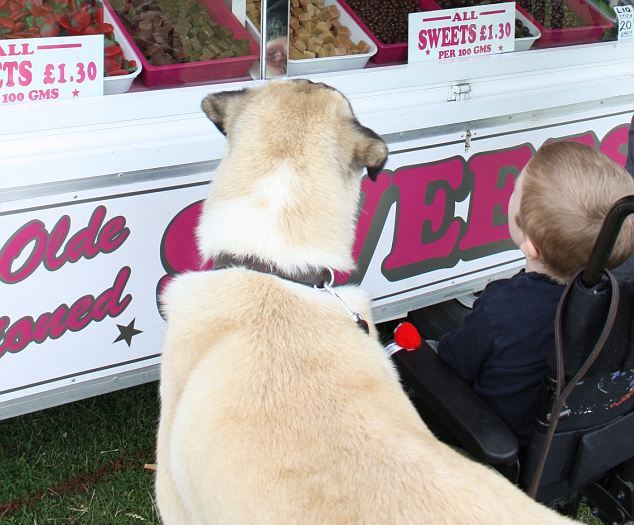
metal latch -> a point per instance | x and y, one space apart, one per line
459 92
467 140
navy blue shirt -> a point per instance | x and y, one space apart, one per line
501 347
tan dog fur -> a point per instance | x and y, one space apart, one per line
276 408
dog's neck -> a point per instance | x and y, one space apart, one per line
316 277
322 279
273 219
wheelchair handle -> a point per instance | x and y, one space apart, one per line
606 239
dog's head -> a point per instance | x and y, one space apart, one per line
291 174
320 111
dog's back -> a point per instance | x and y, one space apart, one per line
276 407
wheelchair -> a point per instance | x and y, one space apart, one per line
582 445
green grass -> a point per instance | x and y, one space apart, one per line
586 516
83 463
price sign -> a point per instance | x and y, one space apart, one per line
50 68
461 32
625 14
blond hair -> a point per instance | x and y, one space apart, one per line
568 189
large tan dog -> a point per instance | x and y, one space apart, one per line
277 408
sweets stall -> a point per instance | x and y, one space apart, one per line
99 195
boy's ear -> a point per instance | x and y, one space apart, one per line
221 108
530 250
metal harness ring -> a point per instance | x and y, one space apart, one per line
324 285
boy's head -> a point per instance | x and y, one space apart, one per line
559 203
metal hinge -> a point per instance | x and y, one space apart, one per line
459 92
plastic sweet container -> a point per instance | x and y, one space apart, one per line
605 9
525 43
340 63
594 25
386 53
203 70
311 66
120 83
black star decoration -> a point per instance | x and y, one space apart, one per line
126 333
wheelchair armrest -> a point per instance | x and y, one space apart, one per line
475 426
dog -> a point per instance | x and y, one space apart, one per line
277 408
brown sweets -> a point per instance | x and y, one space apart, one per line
387 19
316 32
177 31
253 12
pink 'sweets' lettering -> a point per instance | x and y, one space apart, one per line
425 225
54 249
614 144
178 246
494 177
428 235
588 138
376 198
33 245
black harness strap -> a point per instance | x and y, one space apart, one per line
316 278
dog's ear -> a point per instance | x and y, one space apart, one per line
369 150
222 107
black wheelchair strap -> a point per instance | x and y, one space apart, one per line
563 390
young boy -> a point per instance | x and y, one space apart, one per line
555 213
